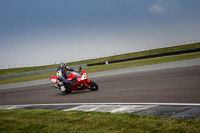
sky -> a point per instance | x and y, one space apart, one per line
43 32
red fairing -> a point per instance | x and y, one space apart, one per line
71 76
87 81
54 79
82 81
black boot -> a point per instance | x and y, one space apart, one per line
67 88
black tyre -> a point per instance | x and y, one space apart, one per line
93 86
63 92
68 91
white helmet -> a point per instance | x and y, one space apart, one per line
62 65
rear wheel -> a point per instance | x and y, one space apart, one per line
93 86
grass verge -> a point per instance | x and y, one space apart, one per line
14 121
110 67
110 58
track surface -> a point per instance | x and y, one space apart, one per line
174 85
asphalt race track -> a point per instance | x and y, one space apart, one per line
173 85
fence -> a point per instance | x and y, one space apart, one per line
36 72
148 56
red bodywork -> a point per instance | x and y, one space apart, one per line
82 80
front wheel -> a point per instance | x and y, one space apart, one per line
93 86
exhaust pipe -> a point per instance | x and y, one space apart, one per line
56 86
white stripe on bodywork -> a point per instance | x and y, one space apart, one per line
84 76
53 80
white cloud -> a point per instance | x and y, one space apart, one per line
156 8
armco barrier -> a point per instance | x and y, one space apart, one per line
36 72
148 56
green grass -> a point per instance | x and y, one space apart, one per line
110 58
27 78
25 69
142 62
32 121
139 54
110 67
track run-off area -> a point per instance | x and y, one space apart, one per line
170 83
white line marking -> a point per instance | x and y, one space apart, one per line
112 108
75 108
132 108
177 104
13 106
119 109
93 106
93 109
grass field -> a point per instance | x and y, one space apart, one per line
110 58
32 121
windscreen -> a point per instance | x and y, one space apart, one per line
77 74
